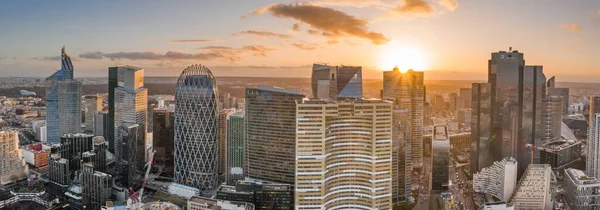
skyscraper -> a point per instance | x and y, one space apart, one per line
551 119
440 158
131 159
594 108
273 110
531 92
408 93
348 162
163 133
235 148
401 156
480 126
333 82
73 145
563 93
93 104
63 102
223 115
196 129
592 167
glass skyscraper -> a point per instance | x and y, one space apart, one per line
440 158
196 129
333 82
480 126
235 148
63 102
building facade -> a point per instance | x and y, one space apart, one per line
498 180
235 148
561 154
223 115
551 119
581 191
273 110
333 82
96 186
131 80
163 133
12 165
199 203
343 154
592 166
440 158
407 90
533 189
93 104
58 170
563 94
401 156
196 129
63 102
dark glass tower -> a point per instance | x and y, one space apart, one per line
480 126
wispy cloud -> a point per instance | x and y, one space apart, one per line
334 22
571 27
193 41
350 3
91 55
333 42
303 46
53 58
264 34
215 48
449 4
313 32
419 7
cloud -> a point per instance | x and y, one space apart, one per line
449 4
91 55
334 22
296 27
350 3
263 34
571 27
351 43
305 46
313 32
216 53
193 41
215 48
415 7
333 42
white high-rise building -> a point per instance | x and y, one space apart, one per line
592 167
12 165
343 154
533 190
498 180
581 191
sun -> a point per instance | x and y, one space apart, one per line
403 57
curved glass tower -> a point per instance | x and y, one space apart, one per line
196 129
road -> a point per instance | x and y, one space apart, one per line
463 195
425 201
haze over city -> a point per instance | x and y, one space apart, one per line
450 39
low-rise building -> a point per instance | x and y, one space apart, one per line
198 203
36 155
581 191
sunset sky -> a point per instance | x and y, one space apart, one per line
450 39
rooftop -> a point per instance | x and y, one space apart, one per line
278 89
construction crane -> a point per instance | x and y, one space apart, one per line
135 201
533 148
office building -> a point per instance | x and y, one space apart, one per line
274 110
563 94
163 133
333 82
498 180
198 203
466 96
93 104
592 166
533 189
12 165
39 127
401 157
130 139
235 148
100 148
551 119
131 81
561 154
581 191
96 186
196 129
131 105
101 124
73 145
58 170
36 155
460 140
223 115
440 158
63 102
340 145
408 93
263 195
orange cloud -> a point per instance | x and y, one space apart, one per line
415 7
333 42
305 46
193 41
296 27
263 34
571 27
449 4
334 22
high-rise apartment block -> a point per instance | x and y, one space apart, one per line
551 119
197 129
59 172
563 94
101 124
440 158
96 186
533 189
581 191
263 195
235 148
73 145
408 93
12 165
333 82
498 180
273 110
131 160
63 102
93 104
592 167
339 146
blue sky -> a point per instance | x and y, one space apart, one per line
452 40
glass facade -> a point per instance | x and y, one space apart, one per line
196 129
440 157
333 82
531 87
480 126
235 148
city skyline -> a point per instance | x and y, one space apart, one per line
232 38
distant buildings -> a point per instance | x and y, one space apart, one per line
63 102
12 166
93 104
594 108
466 96
353 148
235 148
198 203
498 180
196 129
533 189
274 110
333 82
581 191
440 158
101 124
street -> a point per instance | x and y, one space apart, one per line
424 201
